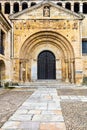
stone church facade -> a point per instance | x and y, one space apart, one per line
44 41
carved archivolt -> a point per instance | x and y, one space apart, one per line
46 37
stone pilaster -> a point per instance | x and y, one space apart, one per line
78 71
16 70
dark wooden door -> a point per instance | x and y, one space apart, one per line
46 65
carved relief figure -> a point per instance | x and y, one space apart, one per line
46 11
75 26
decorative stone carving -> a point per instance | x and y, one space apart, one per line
68 25
46 11
75 25
44 24
64 26
73 38
16 26
66 61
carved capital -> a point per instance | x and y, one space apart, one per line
66 60
72 60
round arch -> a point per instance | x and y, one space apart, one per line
68 5
54 42
24 5
7 8
16 7
49 36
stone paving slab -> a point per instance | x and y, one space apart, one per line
48 117
42 111
74 98
10 100
52 126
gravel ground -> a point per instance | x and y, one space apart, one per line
10 100
75 115
74 112
76 92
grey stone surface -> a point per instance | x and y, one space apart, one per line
21 118
47 109
48 117
42 106
10 100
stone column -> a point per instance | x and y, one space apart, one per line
67 70
29 4
20 7
20 71
26 72
63 5
72 71
81 7
72 6
3 8
11 11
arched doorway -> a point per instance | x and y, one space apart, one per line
48 41
46 65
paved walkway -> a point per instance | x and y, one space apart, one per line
42 111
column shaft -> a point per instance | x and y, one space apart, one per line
3 8
11 11
63 5
72 7
72 71
67 71
26 72
20 8
81 7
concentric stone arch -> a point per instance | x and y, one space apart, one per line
46 36
54 42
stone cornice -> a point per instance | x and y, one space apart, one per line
75 15
4 21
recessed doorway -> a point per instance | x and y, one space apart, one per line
46 65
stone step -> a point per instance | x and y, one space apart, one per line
46 85
36 83
44 82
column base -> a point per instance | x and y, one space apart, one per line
67 80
